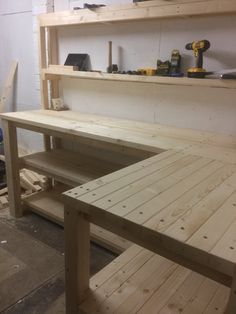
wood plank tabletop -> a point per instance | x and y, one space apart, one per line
147 136
173 199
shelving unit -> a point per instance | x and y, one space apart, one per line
48 43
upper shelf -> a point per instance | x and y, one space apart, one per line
53 71
139 11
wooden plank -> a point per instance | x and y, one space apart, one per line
146 182
112 131
67 167
128 179
199 214
139 200
146 283
62 71
77 258
120 173
232 299
136 13
189 288
8 85
3 191
218 302
44 96
174 211
140 214
12 168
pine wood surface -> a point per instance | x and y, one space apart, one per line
178 205
139 281
131 134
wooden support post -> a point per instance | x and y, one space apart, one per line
43 82
231 307
77 258
12 167
53 59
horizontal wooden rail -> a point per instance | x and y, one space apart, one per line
53 73
136 12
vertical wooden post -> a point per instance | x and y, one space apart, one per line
231 307
53 59
12 167
43 82
77 258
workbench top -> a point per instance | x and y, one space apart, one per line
146 136
179 205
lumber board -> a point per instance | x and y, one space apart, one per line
49 204
12 168
67 167
136 12
61 71
125 133
140 282
8 85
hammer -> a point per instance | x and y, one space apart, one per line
111 67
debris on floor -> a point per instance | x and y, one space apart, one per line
30 181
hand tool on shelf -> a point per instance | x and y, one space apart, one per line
163 68
175 64
199 47
112 68
79 60
229 74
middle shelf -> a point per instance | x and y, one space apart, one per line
68 167
56 72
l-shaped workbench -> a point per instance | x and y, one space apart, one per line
178 201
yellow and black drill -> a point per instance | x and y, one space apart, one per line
199 47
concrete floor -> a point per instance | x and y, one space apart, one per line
32 265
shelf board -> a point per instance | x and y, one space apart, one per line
62 71
67 167
49 204
139 11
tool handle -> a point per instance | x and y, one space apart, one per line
110 53
199 60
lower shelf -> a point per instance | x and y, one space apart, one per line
139 281
49 205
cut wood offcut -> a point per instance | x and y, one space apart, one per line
30 181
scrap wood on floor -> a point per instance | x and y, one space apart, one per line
30 181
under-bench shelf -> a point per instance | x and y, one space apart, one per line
68 167
49 204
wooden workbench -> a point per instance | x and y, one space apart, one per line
178 200
178 205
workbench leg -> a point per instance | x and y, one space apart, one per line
231 307
77 258
12 168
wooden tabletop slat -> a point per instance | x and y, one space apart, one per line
142 174
187 225
216 226
148 136
142 213
139 202
109 201
226 247
173 212
106 180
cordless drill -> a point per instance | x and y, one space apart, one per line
199 47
